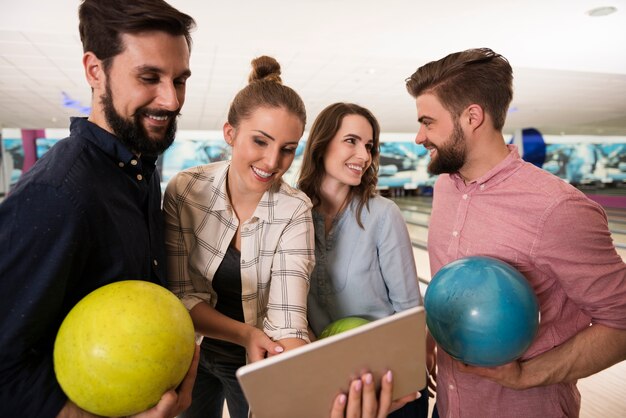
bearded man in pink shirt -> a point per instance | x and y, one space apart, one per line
488 201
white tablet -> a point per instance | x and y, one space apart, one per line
304 382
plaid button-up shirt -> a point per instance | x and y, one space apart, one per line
277 248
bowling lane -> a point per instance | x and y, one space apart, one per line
418 233
617 226
619 238
416 217
617 214
423 268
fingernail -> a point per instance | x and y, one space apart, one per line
342 399
279 349
358 385
368 378
389 376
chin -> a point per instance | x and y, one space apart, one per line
353 182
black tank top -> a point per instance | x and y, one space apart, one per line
227 284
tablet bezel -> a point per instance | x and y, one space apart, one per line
303 382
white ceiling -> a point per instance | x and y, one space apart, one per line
569 68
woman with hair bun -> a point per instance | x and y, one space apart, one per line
240 242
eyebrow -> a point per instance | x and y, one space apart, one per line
421 118
271 137
357 137
157 70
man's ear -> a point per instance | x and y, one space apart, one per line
474 116
94 71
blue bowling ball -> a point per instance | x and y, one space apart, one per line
481 311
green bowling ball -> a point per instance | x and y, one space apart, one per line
343 324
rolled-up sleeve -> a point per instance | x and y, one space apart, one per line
292 265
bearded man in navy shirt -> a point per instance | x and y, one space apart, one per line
88 213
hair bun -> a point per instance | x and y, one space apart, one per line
265 68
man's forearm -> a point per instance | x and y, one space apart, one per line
588 352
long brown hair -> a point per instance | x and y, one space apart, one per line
322 132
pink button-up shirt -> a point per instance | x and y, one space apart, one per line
560 241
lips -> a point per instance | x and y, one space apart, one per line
158 117
432 150
355 168
262 175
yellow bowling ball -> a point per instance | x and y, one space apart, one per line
122 347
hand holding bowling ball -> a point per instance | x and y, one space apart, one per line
481 311
122 347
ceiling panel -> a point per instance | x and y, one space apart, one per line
570 69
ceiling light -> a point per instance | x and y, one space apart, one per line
602 11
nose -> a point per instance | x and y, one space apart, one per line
272 157
168 96
363 153
420 138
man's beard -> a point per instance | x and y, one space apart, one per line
450 156
131 132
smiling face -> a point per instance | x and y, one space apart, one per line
349 153
143 90
263 148
441 135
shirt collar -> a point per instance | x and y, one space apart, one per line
107 142
264 210
500 172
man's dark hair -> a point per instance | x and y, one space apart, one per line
102 22
473 76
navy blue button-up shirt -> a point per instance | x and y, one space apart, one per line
87 214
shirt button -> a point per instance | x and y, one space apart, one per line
139 177
465 197
156 263
482 187
121 164
451 387
455 233
133 162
